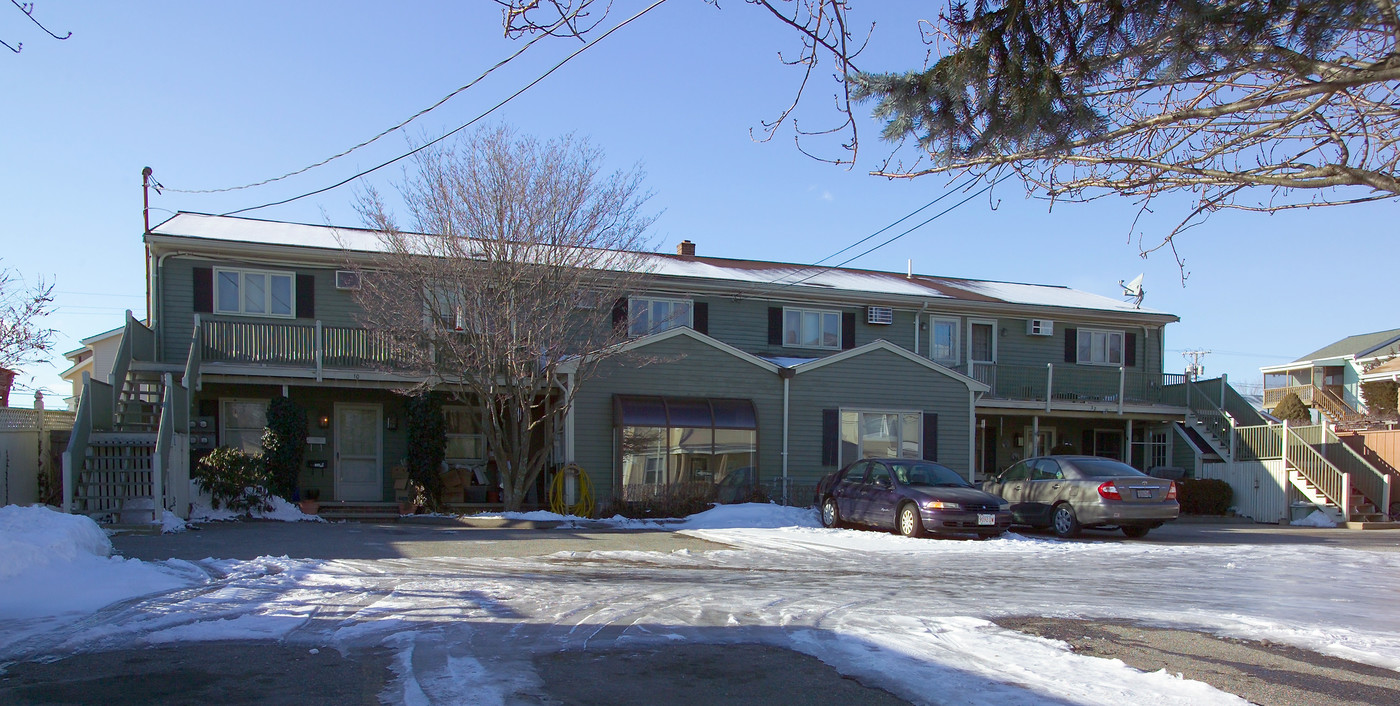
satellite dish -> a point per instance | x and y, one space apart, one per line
1133 291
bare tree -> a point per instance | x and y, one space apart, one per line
22 339
499 290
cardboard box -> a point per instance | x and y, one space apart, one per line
454 496
400 484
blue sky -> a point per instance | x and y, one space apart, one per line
213 95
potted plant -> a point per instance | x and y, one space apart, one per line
310 502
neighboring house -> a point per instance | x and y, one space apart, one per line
94 360
1330 378
763 371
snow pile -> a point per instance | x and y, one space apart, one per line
1318 518
752 515
202 510
171 523
744 515
38 536
53 563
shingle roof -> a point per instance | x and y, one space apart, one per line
1359 345
752 272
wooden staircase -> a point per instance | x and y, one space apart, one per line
1361 511
125 463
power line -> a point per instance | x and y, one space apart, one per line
399 126
931 219
906 217
464 126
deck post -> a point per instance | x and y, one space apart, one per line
1122 380
1345 500
319 350
1049 384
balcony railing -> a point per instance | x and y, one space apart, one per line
1053 383
298 346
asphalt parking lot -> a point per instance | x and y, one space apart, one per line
261 672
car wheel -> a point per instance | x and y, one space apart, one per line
831 516
1136 532
910 523
1064 522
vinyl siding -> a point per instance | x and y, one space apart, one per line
333 307
876 380
744 325
678 367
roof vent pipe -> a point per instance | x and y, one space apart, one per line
686 249
911 269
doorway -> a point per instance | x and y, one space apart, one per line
359 452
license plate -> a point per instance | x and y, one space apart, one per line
986 519
1144 494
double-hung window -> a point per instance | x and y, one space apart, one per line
243 422
1100 347
465 441
881 434
254 292
811 328
648 315
943 340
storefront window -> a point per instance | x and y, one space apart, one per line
669 442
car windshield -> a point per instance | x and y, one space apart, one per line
927 474
1104 468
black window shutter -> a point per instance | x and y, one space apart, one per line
775 326
848 330
831 436
204 289
1130 349
1071 345
619 313
700 317
930 436
306 296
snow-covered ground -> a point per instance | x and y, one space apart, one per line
909 615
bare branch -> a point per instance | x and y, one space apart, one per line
505 280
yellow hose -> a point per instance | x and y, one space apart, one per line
584 506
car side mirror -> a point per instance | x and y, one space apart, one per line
883 482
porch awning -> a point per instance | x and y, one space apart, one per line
649 411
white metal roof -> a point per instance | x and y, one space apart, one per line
766 274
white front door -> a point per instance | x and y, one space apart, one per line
359 451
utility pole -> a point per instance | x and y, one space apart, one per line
1195 368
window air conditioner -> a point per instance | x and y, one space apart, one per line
347 279
1040 327
882 315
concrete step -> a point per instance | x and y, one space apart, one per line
1372 525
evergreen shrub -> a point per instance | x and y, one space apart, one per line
234 479
284 444
1379 396
1204 496
1292 409
427 446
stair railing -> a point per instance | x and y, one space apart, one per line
77 443
138 343
170 462
1327 478
1334 406
1371 482
195 359
1216 421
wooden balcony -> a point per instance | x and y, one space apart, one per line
308 349
1068 384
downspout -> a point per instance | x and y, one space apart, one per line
972 438
569 418
786 374
918 321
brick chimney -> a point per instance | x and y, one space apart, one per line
686 249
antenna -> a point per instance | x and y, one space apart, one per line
1133 291
1195 368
